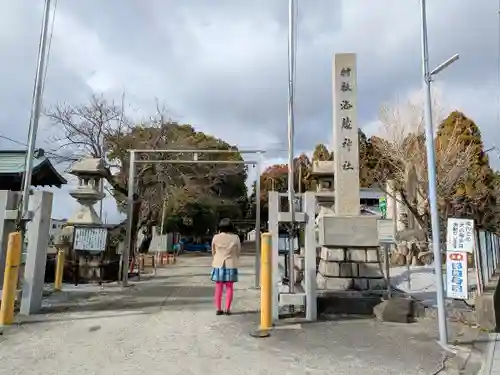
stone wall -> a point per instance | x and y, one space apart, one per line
345 268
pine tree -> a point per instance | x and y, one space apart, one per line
321 153
474 196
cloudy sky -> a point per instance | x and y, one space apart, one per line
221 65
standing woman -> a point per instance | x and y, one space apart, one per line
226 248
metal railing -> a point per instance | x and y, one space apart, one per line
488 249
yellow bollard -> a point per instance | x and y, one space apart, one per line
12 262
266 319
59 270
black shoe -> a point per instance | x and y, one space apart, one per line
227 312
219 312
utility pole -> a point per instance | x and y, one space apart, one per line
291 91
35 111
431 171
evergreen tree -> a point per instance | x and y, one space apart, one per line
367 161
321 153
474 196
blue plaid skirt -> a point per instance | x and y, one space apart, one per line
224 275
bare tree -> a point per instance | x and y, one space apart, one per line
92 129
101 129
401 146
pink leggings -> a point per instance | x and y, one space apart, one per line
219 287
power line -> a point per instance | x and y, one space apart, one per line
13 140
50 153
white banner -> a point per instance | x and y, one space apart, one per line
457 286
460 235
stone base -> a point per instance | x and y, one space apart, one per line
332 283
396 310
350 268
360 255
332 304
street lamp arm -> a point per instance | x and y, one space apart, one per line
444 65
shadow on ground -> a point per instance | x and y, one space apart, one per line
163 296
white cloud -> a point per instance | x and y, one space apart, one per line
222 65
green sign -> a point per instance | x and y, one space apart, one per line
382 205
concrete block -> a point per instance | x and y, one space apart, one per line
372 255
348 231
348 270
329 269
356 255
370 270
295 299
332 255
485 311
330 283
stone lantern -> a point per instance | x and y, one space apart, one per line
322 173
89 172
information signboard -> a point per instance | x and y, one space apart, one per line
386 231
456 275
460 235
90 239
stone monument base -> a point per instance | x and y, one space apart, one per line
350 268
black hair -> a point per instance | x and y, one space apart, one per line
226 226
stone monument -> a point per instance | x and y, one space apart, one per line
345 135
349 257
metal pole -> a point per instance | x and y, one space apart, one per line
197 151
35 109
101 188
257 224
408 273
387 270
291 191
127 249
431 169
163 215
300 177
